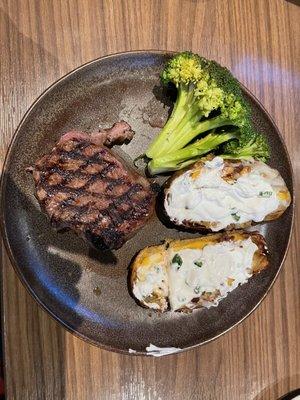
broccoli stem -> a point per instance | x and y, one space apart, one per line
192 128
184 126
178 109
178 159
162 141
155 169
236 156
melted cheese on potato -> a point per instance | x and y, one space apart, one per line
203 194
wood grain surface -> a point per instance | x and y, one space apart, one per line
259 40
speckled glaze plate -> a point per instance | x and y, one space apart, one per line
84 289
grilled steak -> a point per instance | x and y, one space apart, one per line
84 187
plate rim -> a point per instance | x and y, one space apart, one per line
10 252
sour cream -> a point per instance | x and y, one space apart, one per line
206 196
217 267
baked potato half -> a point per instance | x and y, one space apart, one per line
182 275
149 270
217 194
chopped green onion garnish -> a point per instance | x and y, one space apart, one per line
198 263
265 194
177 259
235 216
197 289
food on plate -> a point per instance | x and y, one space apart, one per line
209 102
182 275
247 145
149 277
216 193
84 187
119 133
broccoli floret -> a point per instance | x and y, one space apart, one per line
249 144
182 69
208 97
230 109
197 96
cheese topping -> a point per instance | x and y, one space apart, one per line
206 196
217 268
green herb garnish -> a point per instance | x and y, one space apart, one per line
177 260
197 289
198 263
265 194
235 216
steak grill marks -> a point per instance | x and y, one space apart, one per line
82 186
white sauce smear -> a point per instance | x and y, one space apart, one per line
210 198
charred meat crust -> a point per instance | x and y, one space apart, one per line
84 187
119 133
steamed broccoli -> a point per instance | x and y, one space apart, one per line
208 97
243 143
189 154
250 144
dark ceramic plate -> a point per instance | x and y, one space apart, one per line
82 288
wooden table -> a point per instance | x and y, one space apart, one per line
260 41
